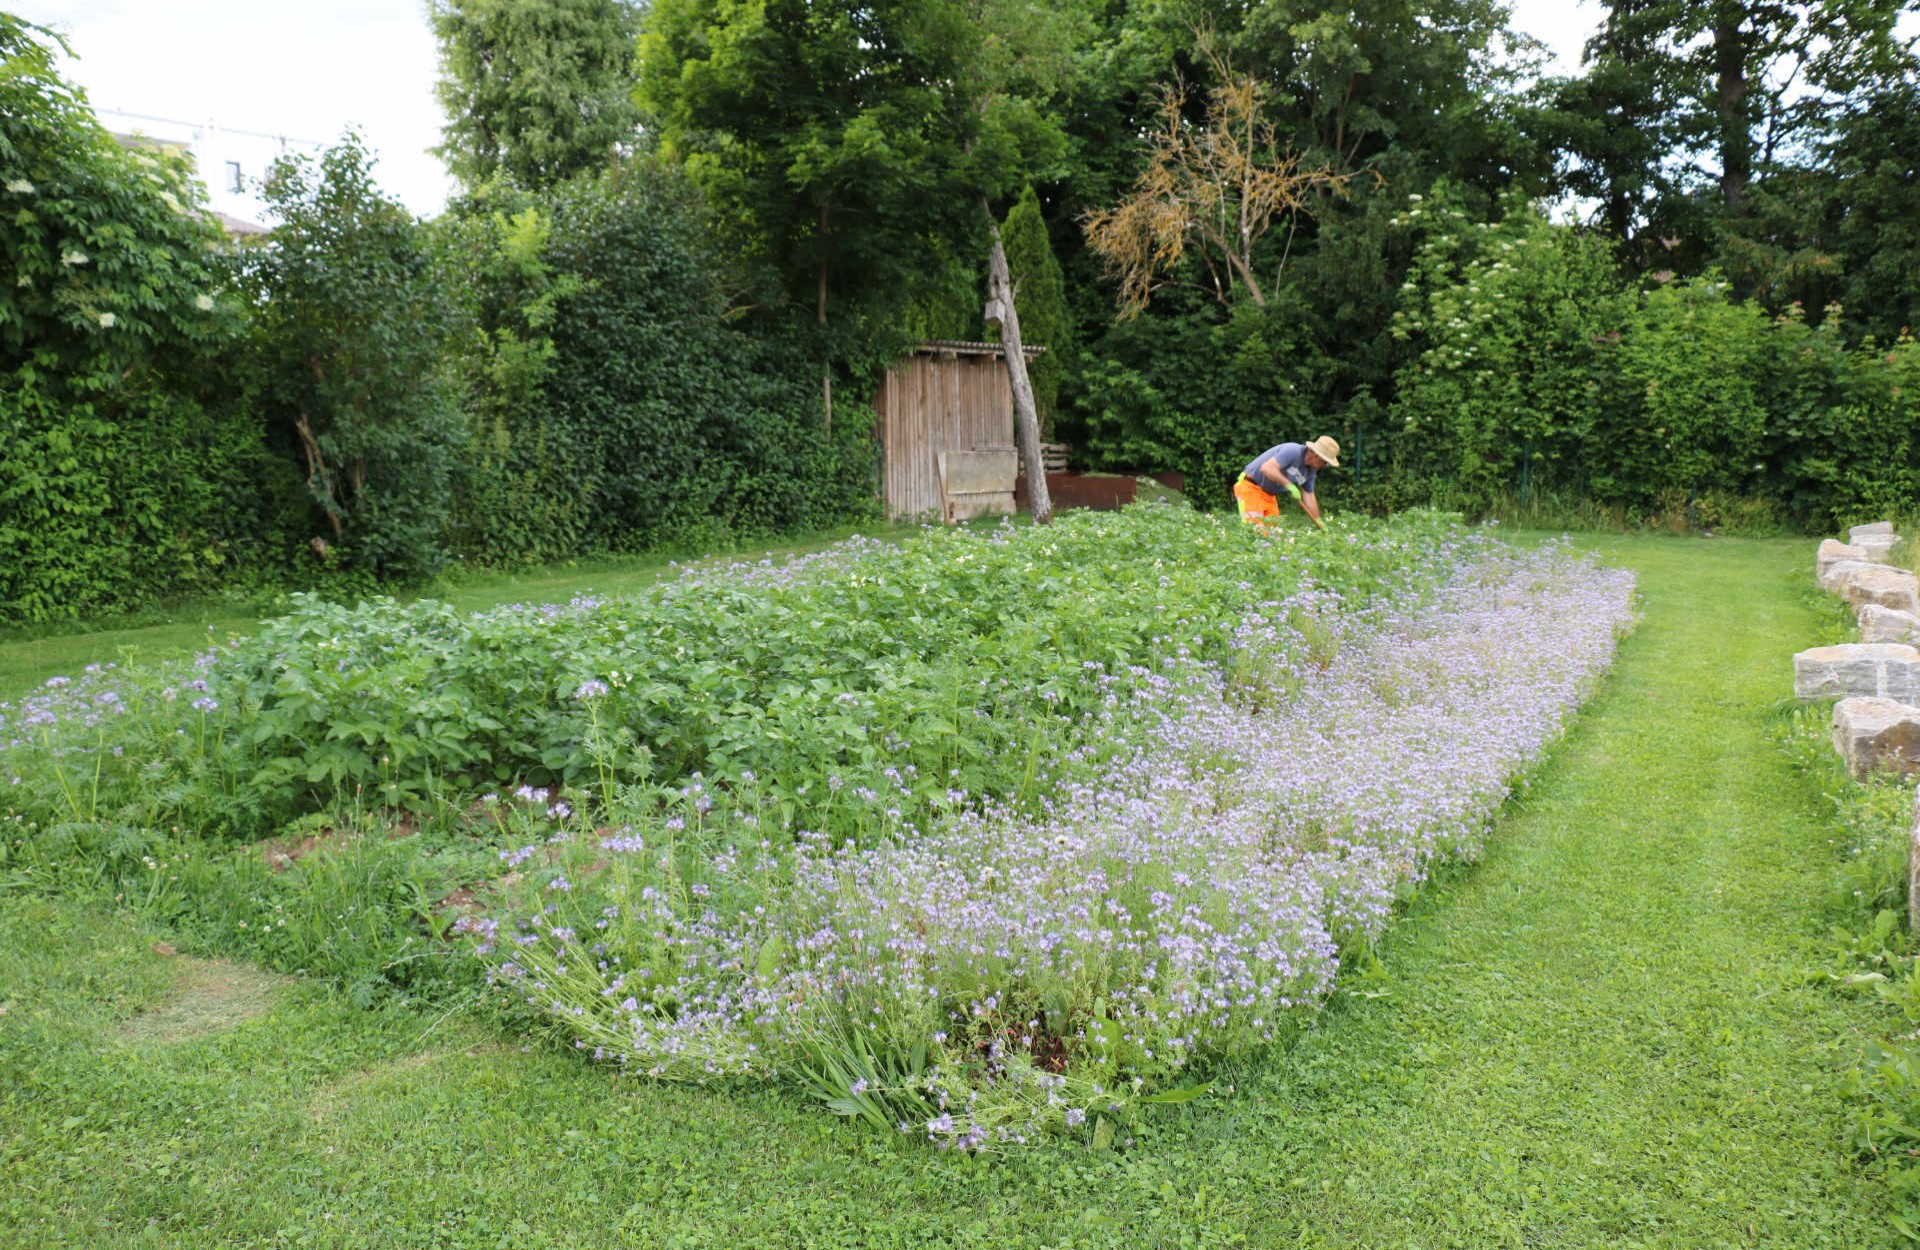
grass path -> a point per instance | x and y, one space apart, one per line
1597 1036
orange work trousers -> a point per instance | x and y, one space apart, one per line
1256 505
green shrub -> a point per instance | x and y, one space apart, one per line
1845 444
1509 393
1538 375
612 401
1691 363
519 488
689 425
349 321
1202 393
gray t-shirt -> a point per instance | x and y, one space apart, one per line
1293 465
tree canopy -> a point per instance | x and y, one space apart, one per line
535 91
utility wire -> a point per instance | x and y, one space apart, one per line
232 130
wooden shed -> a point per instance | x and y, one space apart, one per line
946 432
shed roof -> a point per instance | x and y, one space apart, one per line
966 347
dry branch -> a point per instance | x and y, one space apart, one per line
1219 185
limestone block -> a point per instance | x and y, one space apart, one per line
1878 547
1879 670
1837 571
1878 624
1868 531
1889 587
1833 551
1877 735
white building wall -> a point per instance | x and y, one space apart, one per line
231 162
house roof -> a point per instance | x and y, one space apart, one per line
236 226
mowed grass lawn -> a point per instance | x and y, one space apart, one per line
1599 1035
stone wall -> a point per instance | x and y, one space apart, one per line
1876 721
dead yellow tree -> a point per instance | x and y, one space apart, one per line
1219 185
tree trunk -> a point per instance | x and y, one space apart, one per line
319 481
1730 104
1619 216
1000 310
1245 270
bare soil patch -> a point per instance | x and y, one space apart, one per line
283 853
461 902
208 995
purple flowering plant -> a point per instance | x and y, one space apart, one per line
1223 835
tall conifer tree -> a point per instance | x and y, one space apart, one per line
535 90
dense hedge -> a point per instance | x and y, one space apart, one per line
367 395
1538 370
1529 369
125 464
612 404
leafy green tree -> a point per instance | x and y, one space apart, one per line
1353 80
948 304
350 328
613 401
535 91
688 425
820 134
1872 206
1617 125
1778 70
1835 225
839 143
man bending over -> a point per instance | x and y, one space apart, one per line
1290 467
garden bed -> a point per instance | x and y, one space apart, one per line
978 835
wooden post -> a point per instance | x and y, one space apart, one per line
1000 310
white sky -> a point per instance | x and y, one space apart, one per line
308 69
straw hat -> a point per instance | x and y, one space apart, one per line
1328 450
